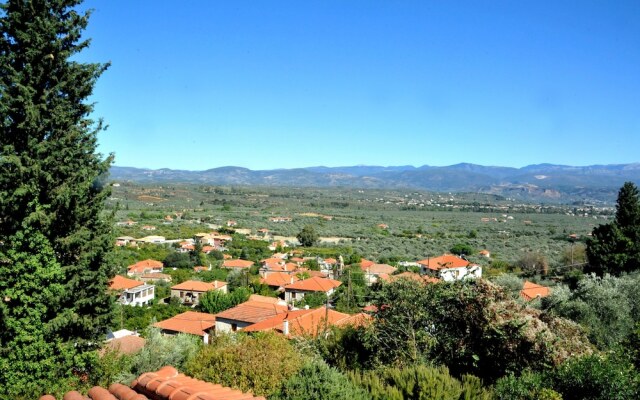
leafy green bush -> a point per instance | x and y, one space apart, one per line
596 377
316 380
419 382
259 364
529 385
215 301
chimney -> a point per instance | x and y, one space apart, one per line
215 284
291 279
285 327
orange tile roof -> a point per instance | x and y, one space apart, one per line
145 265
279 279
532 290
380 269
301 322
130 344
200 268
330 260
192 322
197 286
122 283
314 284
237 264
252 310
364 264
444 261
168 383
297 259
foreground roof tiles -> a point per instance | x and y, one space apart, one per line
165 384
192 322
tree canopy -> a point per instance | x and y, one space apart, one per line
55 239
615 247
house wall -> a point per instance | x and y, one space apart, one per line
137 297
456 274
224 325
187 296
291 296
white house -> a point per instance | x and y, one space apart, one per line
132 292
450 268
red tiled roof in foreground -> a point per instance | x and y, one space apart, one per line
192 322
164 384
531 291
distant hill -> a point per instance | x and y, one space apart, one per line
541 182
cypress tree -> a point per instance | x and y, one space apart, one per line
54 235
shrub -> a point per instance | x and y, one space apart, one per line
316 380
419 382
259 364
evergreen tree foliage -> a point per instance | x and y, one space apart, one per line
54 239
615 247
419 382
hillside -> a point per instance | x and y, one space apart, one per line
541 182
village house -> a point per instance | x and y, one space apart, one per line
373 272
303 323
297 290
132 292
450 268
531 291
189 322
278 280
256 309
189 292
145 267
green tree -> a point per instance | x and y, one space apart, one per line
307 236
462 248
52 196
319 381
615 247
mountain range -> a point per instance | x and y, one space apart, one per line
540 182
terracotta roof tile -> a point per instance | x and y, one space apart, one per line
192 322
126 345
165 384
301 322
252 311
122 283
444 261
532 290
145 266
237 264
314 284
197 286
380 269
279 279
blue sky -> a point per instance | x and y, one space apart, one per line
201 84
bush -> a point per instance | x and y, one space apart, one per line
316 380
596 378
529 385
419 382
259 364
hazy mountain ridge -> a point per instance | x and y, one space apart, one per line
540 182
